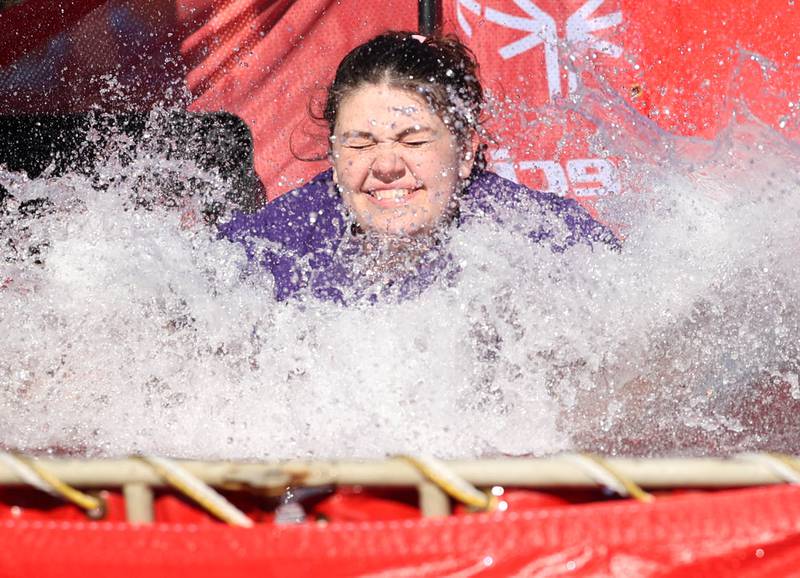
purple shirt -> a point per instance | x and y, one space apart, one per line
303 237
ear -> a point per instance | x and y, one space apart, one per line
468 153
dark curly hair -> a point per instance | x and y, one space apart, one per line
439 68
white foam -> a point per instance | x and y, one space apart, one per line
139 334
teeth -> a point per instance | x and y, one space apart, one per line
390 194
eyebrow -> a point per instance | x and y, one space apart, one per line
412 130
357 134
416 129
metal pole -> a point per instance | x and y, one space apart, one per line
518 472
430 17
138 503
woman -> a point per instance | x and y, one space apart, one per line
403 113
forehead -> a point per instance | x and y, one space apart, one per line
383 106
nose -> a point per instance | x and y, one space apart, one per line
388 166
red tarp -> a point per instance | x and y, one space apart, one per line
743 533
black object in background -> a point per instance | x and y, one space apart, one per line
74 142
429 17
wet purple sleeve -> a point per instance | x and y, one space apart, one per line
306 222
489 189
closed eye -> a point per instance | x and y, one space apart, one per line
415 143
359 146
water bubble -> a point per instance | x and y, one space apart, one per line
136 331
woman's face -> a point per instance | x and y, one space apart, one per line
396 163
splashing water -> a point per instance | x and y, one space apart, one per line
129 327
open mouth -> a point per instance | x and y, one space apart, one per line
392 197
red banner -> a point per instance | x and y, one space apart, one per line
685 66
269 62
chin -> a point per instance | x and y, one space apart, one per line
402 225
395 230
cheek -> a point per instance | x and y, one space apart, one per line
349 199
347 169
446 164
439 195
442 181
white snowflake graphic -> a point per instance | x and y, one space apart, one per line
541 29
